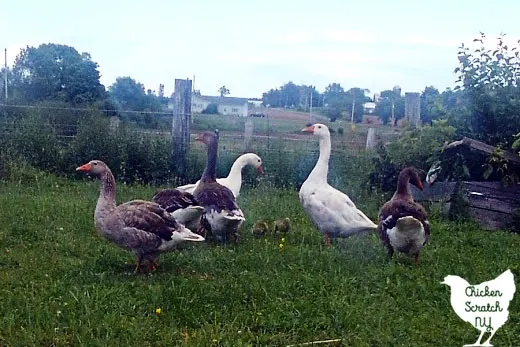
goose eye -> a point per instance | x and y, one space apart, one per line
94 163
319 126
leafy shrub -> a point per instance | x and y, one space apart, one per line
34 139
418 147
211 109
489 79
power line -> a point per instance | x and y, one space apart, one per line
83 109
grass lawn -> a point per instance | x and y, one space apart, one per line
61 284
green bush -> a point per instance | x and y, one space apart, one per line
211 109
418 147
136 156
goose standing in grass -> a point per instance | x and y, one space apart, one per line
234 179
221 217
332 211
141 226
181 205
403 223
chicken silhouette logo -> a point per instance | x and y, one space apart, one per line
483 305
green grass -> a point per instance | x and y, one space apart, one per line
61 284
271 125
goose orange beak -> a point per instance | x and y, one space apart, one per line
84 167
420 185
260 170
309 129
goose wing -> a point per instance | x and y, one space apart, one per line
149 217
216 196
397 208
174 199
334 212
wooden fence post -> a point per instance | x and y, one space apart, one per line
248 133
412 108
371 138
181 125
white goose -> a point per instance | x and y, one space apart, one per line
332 211
234 179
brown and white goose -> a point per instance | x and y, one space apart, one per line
332 211
141 226
403 223
181 205
222 217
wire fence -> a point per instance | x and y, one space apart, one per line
57 139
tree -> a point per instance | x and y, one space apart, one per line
308 94
334 89
272 98
291 95
211 109
223 91
384 109
130 95
334 96
431 104
161 91
490 81
56 72
391 102
356 97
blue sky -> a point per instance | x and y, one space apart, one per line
252 46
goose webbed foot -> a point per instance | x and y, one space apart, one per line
327 239
139 263
390 252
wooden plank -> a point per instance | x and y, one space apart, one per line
494 190
490 204
495 185
437 192
490 220
484 147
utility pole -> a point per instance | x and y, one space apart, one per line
393 116
310 110
5 73
352 114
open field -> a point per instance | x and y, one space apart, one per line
285 126
62 285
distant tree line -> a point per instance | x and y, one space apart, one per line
54 73
484 105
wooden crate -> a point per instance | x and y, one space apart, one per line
491 204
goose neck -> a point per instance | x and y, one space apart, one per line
236 168
321 169
210 172
402 186
107 195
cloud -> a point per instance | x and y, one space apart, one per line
362 37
